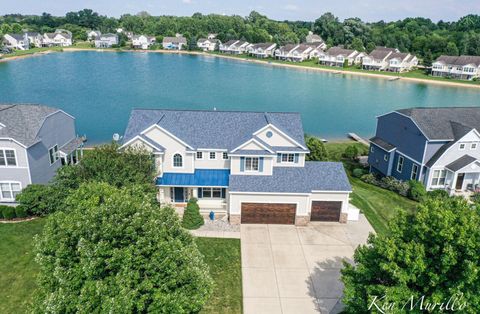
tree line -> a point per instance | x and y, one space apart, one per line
420 36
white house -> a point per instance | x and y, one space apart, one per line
401 62
106 41
61 38
262 50
314 39
378 59
93 35
142 41
208 44
254 172
16 41
234 47
174 43
35 39
336 56
458 67
298 52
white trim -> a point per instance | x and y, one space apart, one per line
190 186
168 133
250 155
9 200
268 193
212 149
416 174
388 151
332 192
5 156
281 132
196 155
210 155
252 140
14 140
143 140
400 165
409 157
434 164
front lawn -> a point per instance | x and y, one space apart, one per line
18 269
17 266
379 205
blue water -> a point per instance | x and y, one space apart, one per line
100 89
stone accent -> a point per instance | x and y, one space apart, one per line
343 218
302 220
235 219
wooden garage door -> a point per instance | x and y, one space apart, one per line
326 211
261 213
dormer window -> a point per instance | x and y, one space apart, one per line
213 155
462 146
473 146
177 161
251 164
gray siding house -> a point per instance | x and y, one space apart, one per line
436 146
35 141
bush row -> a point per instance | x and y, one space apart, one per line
10 212
412 189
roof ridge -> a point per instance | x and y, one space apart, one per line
8 107
211 110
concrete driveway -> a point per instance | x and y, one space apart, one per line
288 269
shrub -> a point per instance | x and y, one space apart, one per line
358 172
417 191
191 217
20 211
35 199
474 198
438 194
351 152
317 149
113 251
8 212
392 184
369 178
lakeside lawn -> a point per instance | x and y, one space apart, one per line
19 53
18 269
379 205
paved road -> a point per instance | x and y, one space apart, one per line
288 269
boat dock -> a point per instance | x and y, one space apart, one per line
358 139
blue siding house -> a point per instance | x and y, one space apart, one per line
436 146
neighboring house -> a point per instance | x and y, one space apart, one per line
313 39
458 67
60 38
174 43
247 165
35 39
336 56
106 41
262 50
401 62
16 41
378 59
284 52
93 35
317 49
142 41
208 44
234 47
34 142
439 147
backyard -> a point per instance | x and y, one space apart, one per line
18 269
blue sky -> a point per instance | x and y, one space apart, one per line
368 10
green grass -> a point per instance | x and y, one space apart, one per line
17 266
378 205
223 258
18 269
32 51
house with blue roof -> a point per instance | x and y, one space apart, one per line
436 146
247 165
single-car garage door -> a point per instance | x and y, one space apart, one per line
263 213
326 211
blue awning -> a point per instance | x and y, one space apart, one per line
201 177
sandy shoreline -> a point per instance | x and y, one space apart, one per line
338 71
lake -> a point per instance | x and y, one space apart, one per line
100 89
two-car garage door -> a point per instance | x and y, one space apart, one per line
282 213
268 213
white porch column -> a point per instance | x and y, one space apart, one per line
454 183
195 193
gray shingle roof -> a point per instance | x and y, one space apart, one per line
214 129
381 143
381 53
315 176
177 40
446 123
459 60
336 51
17 37
461 162
398 55
263 45
23 121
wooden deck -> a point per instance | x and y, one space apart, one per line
358 139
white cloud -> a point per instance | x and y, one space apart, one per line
291 7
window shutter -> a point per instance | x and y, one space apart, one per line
242 164
279 158
199 192
223 193
260 164
296 158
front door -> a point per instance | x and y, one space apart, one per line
179 195
460 178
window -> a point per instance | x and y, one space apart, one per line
288 157
53 154
400 164
251 164
438 178
213 155
414 175
269 134
371 149
9 190
462 146
385 157
7 157
199 155
177 161
218 193
473 146
225 155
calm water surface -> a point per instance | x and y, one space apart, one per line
100 89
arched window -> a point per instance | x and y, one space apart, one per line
177 161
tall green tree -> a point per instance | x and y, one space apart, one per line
433 254
318 152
